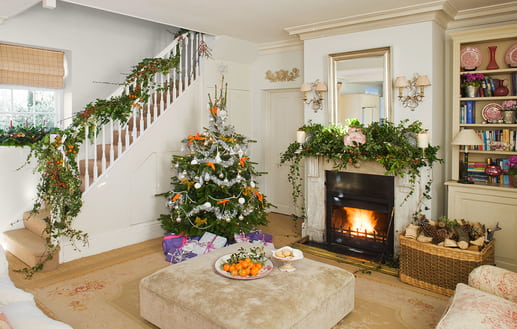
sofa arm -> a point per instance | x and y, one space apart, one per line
495 280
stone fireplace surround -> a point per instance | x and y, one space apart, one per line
314 225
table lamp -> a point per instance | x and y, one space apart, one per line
466 137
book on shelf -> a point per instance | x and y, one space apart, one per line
497 140
463 110
470 112
514 83
476 171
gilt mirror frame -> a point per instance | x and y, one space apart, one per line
333 92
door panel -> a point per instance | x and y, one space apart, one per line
284 117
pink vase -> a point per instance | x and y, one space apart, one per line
492 65
501 90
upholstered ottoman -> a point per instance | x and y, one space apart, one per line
192 295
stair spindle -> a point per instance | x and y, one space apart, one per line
86 162
103 148
112 147
94 164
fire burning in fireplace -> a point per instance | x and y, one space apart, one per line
360 223
360 220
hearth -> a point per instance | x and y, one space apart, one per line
359 214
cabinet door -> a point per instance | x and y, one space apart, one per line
489 207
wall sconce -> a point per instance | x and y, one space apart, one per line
317 88
415 87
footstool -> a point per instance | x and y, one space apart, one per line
192 295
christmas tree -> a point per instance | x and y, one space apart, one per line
214 189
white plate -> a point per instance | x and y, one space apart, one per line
492 112
267 267
470 58
297 254
511 56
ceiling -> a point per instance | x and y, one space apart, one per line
269 21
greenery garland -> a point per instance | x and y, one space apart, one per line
393 146
59 187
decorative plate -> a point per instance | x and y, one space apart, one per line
265 270
492 112
511 56
470 58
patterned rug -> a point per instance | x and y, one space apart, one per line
102 292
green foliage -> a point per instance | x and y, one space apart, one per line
392 145
23 136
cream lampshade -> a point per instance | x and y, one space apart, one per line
467 137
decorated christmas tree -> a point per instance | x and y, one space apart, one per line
214 188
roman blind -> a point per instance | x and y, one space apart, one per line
31 66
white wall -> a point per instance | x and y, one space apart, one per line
415 48
99 46
17 186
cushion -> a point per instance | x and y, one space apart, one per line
495 280
10 294
26 315
4 324
474 309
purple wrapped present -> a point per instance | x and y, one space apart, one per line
258 236
178 248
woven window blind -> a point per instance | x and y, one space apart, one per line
31 66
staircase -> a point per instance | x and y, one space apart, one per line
29 243
109 144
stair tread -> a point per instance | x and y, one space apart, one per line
31 241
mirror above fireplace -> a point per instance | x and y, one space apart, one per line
359 86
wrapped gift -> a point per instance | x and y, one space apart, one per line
241 237
259 237
178 247
208 242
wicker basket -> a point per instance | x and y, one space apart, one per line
437 268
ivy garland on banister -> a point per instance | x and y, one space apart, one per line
59 188
392 145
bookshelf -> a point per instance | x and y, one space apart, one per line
495 201
500 139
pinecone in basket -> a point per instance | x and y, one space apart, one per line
440 236
429 230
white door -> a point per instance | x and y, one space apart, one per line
284 117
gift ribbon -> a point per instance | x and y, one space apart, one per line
210 245
183 240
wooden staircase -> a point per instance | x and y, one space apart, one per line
29 244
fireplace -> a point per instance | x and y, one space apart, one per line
359 214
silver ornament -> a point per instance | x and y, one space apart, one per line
178 219
241 217
241 200
197 185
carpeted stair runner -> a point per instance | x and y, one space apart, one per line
29 243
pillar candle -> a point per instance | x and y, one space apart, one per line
300 136
10 123
422 140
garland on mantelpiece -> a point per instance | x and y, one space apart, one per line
394 146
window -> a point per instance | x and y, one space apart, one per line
31 83
20 106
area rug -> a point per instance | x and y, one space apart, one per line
102 292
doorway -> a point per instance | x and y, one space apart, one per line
284 115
